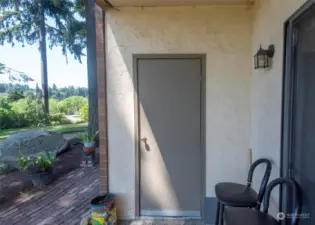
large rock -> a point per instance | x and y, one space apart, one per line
30 143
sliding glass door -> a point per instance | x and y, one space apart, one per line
299 111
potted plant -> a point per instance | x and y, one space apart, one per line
39 167
88 142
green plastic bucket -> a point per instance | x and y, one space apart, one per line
103 210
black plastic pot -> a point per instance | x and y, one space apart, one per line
40 178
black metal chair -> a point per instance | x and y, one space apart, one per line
247 216
239 195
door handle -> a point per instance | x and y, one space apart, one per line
144 140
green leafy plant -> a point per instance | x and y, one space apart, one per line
25 162
43 161
86 137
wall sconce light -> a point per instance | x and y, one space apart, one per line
262 59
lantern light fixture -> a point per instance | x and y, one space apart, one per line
262 59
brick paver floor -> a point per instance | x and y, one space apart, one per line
65 201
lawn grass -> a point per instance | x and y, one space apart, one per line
62 129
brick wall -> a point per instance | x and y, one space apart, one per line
102 109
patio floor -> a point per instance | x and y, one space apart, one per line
66 201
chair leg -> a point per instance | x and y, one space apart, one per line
221 214
217 214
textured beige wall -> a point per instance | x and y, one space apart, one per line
224 34
266 87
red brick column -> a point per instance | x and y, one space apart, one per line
102 99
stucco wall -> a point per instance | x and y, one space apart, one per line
224 34
266 86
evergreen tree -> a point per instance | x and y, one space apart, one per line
35 21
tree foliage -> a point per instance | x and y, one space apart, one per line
66 92
15 95
6 87
54 92
36 21
61 23
14 75
20 21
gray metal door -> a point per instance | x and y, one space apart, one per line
170 136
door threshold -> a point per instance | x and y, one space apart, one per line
171 213
168 217
162 221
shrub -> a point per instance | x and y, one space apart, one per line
20 121
53 106
7 119
21 105
58 119
71 105
30 111
84 113
4 103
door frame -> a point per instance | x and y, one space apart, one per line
288 89
136 58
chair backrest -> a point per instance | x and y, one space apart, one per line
296 191
264 181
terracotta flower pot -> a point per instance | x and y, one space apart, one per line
89 147
89 144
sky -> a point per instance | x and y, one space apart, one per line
27 59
